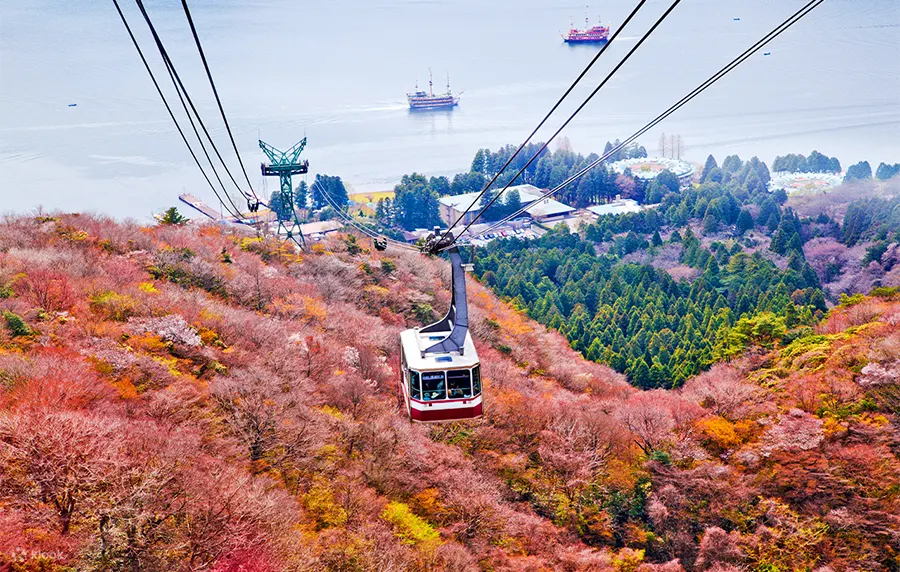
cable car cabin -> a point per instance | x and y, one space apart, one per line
439 386
440 377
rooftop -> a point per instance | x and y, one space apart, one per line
415 342
548 207
322 227
527 194
618 206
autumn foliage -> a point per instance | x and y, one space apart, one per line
166 407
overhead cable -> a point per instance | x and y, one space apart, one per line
169 108
179 85
777 31
212 83
547 116
574 113
368 232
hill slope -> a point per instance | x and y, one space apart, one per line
179 399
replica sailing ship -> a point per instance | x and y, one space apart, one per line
420 100
598 34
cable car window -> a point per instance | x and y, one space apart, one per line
414 390
459 384
433 386
476 379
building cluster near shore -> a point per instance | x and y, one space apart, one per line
537 212
811 183
648 168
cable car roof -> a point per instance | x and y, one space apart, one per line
415 342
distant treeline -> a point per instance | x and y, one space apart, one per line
415 204
818 163
798 163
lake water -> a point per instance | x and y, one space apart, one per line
337 73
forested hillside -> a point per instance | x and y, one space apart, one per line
664 293
176 398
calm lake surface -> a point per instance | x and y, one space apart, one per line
337 72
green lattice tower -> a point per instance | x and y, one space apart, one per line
284 165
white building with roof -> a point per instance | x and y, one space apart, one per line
317 230
616 207
536 208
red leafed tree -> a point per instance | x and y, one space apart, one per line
47 289
55 380
61 459
576 445
245 560
264 411
718 547
723 391
795 431
648 417
227 511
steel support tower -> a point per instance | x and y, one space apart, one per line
284 165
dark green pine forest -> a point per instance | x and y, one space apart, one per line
606 289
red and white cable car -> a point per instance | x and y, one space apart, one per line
440 377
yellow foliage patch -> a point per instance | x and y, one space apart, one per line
409 528
148 343
627 560
170 364
148 288
331 411
113 306
209 337
320 505
514 325
72 234
313 310
719 432
621 476
248 243
209 316
376 289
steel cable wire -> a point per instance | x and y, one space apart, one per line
368 232
774 33
212 84
574 113
179 85
547 116
169 109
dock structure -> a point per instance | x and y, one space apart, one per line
201 207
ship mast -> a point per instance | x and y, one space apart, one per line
430 84
448 82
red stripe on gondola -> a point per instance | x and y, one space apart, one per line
446 414
439 401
